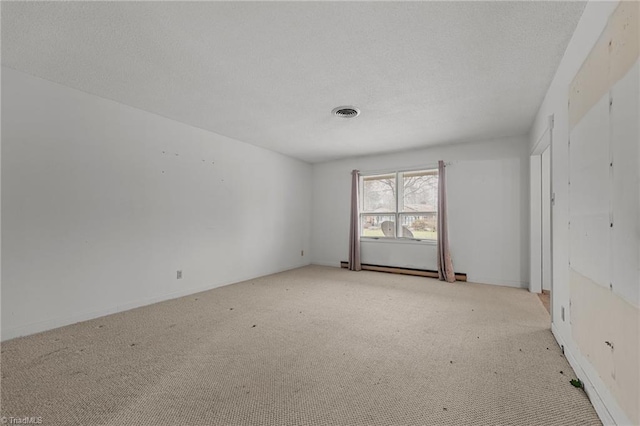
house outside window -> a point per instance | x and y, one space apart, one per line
399 205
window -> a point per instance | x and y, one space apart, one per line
400 205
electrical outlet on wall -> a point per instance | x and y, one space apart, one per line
179 274
562 312
301 252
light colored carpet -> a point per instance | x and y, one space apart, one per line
312 346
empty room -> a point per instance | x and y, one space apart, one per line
320 213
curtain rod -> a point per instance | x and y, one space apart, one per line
401 169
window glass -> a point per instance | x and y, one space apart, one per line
419 191
400 205
422 227
380 226
379 194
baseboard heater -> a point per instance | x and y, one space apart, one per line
405 271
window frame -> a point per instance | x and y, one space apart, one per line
396 214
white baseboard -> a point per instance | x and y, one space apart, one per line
37 327
604 403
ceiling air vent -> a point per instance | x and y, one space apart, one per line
346 112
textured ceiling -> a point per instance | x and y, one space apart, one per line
269 73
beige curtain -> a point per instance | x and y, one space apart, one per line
354 231
445 264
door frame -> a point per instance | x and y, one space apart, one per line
535 204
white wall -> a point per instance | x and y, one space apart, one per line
488 192
102 203
545 197
0 211
535 218
595 268
594 19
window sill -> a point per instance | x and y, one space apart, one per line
397 241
